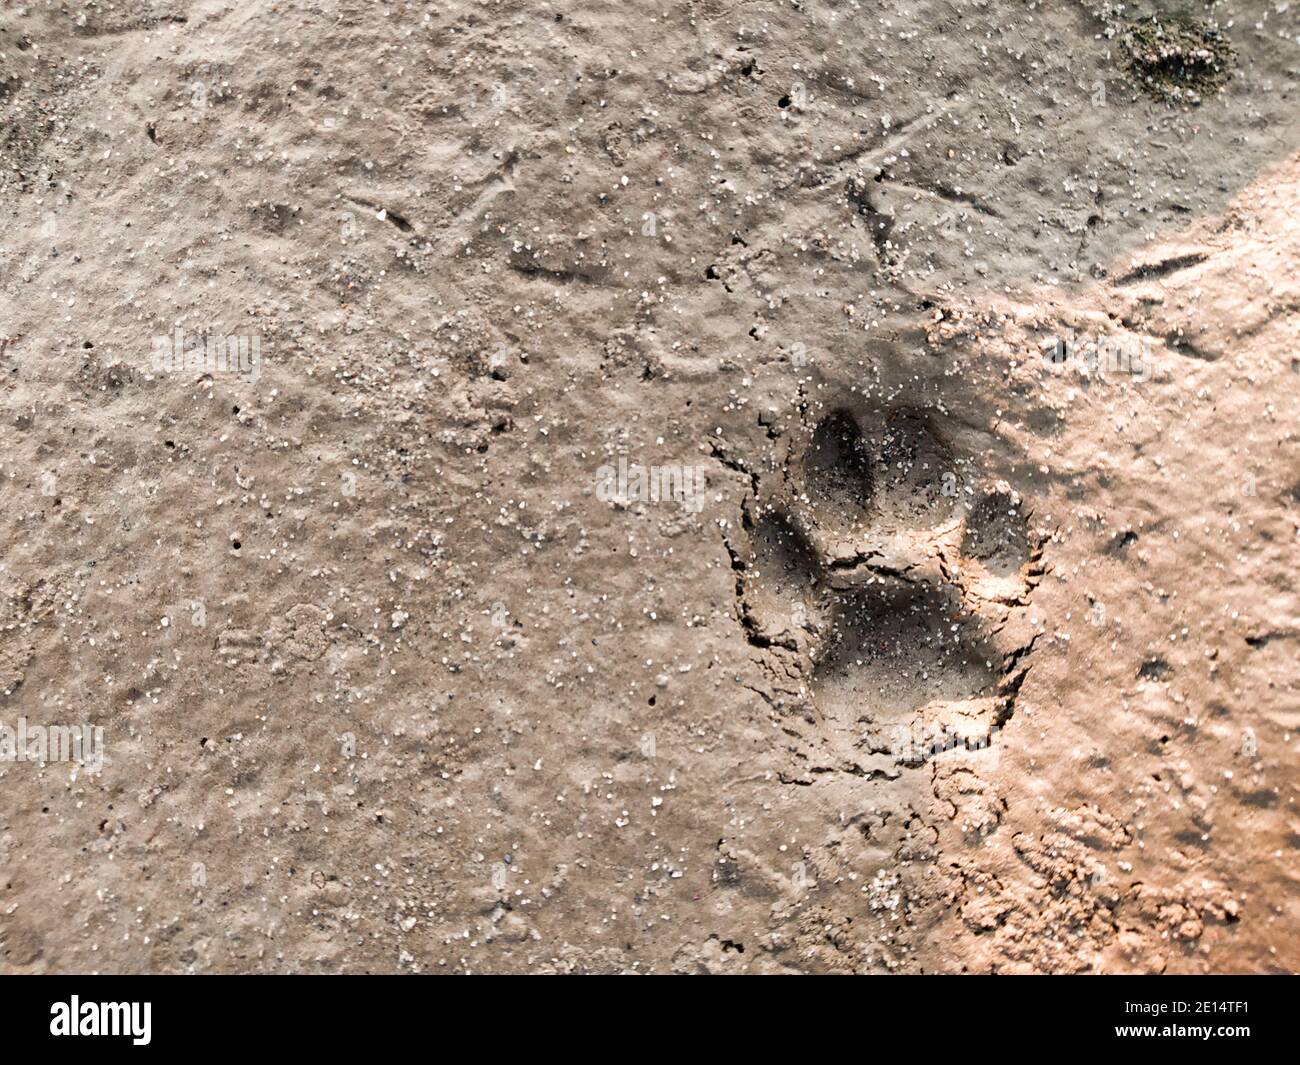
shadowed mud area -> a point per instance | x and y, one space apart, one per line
590 488
894 654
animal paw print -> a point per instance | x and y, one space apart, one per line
877 578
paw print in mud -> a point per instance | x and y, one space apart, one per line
879 581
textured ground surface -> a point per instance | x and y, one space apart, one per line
981 321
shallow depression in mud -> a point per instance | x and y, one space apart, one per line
893 652
896 475
782 564
838 467
915 473
997 534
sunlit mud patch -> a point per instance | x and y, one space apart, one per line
1178 59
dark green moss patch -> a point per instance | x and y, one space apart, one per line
1178 59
